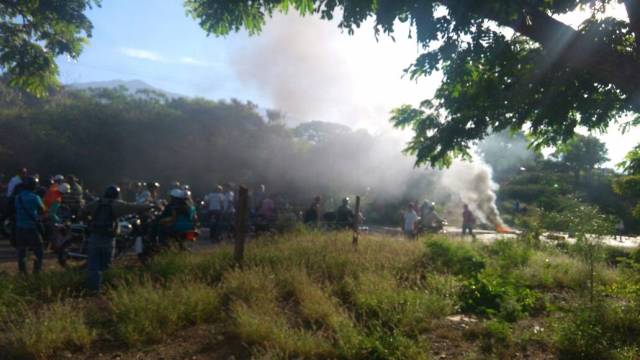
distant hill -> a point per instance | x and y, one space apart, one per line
133 86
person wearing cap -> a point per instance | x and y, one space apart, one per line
28 227
103 214
14 181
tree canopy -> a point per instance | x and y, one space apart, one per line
34 33
582 154
631 162
506 64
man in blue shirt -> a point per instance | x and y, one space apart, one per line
29 207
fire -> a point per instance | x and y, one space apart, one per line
503 229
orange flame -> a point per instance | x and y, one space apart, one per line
503 229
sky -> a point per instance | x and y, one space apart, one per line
304 66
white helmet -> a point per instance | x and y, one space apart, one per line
179 193
64 188
58 178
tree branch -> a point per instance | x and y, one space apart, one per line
567 47
633 12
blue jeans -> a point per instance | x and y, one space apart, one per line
29 239
100 250
467 227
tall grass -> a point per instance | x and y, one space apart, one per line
40 334
144 312
305 295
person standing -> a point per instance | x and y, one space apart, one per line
29 229
468 221
215 205
258 197
102 226
344 215
74 199
14 181
410 221
150 194
620 229
312 215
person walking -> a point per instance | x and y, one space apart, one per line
468 221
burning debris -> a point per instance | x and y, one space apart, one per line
473 183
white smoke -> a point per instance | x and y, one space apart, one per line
310 70
471 183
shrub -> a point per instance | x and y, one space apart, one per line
598 331
56 327
454 257
490 295
509 254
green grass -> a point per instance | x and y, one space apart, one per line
312 295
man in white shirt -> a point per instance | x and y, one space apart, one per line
215 203
21 174
229 202
410 220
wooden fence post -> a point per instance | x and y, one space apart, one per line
241 224
356 222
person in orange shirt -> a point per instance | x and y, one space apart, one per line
53 194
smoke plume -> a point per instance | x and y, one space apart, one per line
308 69
472 184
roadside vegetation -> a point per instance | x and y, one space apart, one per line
307 294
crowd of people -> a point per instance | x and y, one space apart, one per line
35 205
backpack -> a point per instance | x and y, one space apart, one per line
103 221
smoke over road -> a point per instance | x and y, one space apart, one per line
310 70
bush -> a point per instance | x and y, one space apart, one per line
491 295
599 331
56 327
453 257
509 254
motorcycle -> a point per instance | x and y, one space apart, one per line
436 227
70 240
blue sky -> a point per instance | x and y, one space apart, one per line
304 66
154 41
